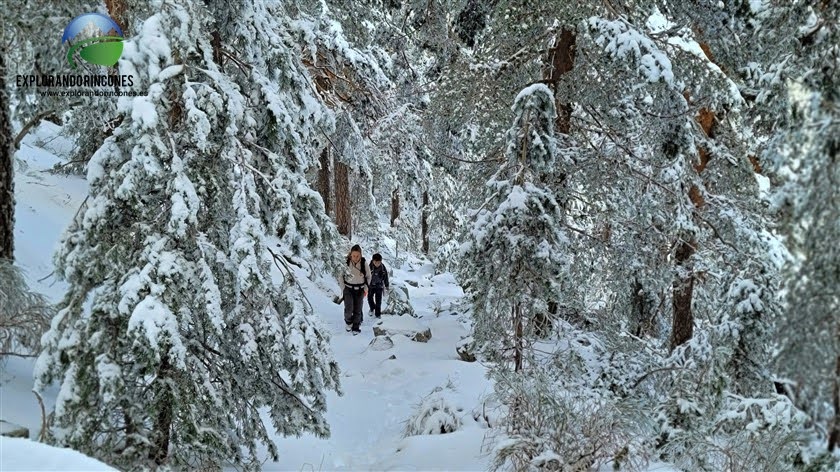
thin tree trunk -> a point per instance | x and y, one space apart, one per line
7 170
162 427
424 222
642 309
342 199
834 434
324 180
395 206
517 338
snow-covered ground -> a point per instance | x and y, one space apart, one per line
379 394
17 454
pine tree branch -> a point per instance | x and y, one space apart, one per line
291 276
648 374
16 354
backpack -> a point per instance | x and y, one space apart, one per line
377 273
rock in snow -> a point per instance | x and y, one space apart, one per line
465 349
405 326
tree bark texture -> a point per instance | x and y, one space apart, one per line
324 180
7 170
517 338
424 222
561 60
162 431
834 434
342 199
395 206
683 287
682 294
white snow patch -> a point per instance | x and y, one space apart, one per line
17 454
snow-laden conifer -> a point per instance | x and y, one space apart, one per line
516 246
180 332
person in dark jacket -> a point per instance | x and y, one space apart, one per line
354 283
378 284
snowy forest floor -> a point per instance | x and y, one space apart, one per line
379 394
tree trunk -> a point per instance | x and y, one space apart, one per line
395 206
216 42
342 199
642 309
682 293
561 59
324 180
517 338
683 287
116 10
7 170
424 223
162 428
834 434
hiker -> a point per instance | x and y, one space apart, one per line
354 283
378 284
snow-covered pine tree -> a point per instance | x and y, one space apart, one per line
392 172
352 84
516 248
31 53
401 172
803 159
516 258
174 338
661 188
446 220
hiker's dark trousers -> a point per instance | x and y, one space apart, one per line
353 305
375 300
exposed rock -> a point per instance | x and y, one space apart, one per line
422 336
408 327
397 301
466 349
413 283
393 356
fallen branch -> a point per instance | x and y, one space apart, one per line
34 122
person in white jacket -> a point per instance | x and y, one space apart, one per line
354 283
